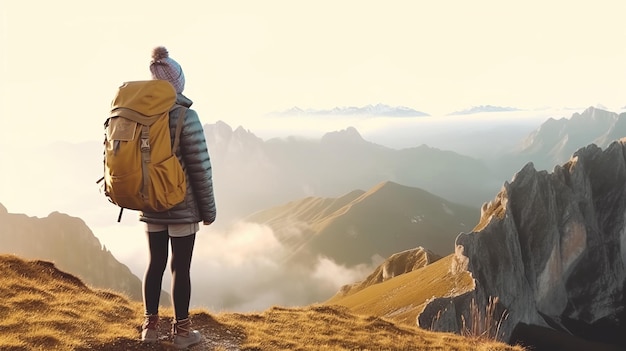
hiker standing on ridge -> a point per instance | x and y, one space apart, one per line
179 224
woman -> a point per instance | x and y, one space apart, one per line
180 224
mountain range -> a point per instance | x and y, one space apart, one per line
310 193
380 110
377 110
252 174
483 108
556 140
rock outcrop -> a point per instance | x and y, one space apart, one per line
397 264
552 248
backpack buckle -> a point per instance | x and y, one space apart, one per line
145 144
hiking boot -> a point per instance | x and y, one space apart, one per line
149 329
184 336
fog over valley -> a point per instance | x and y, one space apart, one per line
241 265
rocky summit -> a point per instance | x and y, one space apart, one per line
549 251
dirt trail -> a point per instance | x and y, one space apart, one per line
216 337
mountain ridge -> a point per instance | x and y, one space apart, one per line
380 221
378 110
557 139
395 265
483 108
259 174
71 244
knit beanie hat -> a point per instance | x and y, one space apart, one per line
164 67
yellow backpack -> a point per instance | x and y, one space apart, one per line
141 170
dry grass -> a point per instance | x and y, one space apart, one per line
492 209
402 298
484 324
45 309
324 327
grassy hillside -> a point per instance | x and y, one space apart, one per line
71 245
397 264
43 309
402 298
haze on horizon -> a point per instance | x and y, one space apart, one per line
61 62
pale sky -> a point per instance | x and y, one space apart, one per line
61 61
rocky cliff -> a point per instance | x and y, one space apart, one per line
552 248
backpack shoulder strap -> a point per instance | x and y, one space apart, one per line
179 127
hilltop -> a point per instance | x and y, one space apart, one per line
387 218
45 308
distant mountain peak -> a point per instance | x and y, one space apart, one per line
348 135
221 133
367 110
223 125
242 131
555 140
595 112
352 229
484 108
389 186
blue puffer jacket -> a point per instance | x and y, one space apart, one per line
199 203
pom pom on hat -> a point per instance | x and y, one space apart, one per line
160 52
164 67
